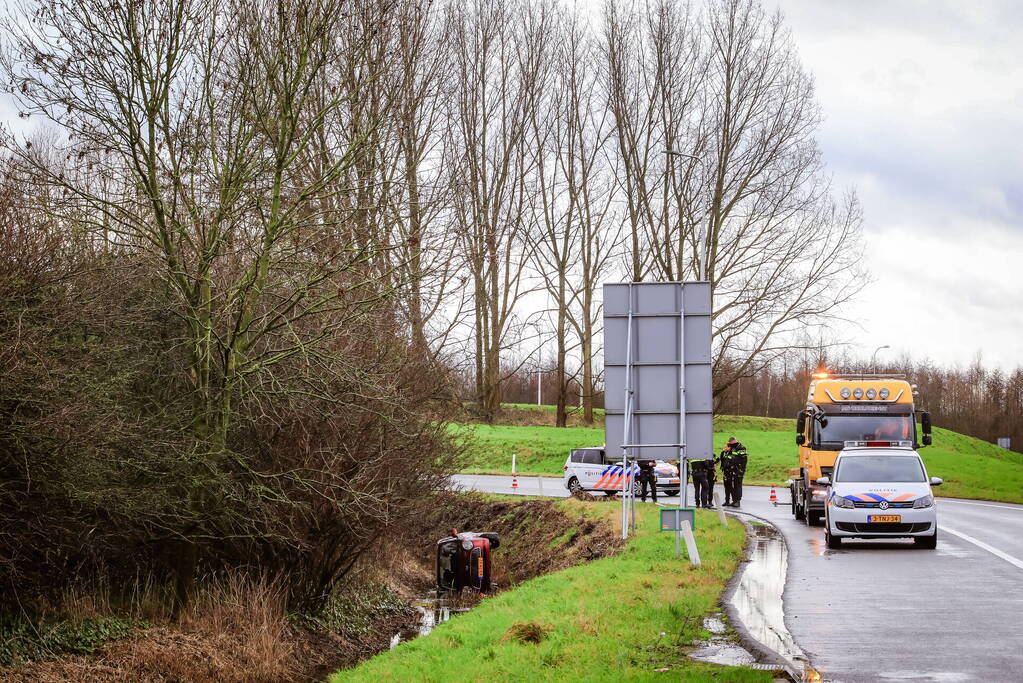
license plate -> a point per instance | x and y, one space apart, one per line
673 481
880 519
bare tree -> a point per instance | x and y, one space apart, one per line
741 198
573 245
501 71
191 124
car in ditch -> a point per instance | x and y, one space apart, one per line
880 489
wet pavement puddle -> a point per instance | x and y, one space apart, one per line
433 611
757 598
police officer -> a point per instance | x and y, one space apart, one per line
703 481
696 469
708 491
733 467
647 477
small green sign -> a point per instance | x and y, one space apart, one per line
672 518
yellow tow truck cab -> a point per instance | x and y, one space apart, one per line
871 410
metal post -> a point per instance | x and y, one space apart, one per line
539 387
627 422
683 464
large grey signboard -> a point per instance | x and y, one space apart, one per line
657 369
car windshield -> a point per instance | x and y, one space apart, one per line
837 429
879 468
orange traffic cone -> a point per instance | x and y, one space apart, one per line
774 496
515 482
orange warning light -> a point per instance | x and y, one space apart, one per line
821 375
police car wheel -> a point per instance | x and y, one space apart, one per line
672 492
928 542
574 486
832 542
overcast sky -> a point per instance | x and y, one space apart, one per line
924 116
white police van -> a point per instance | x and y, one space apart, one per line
880 492
587 469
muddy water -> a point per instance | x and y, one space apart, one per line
757 599
720 649
433 610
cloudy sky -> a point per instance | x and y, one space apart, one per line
924 107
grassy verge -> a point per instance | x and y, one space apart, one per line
622 617
538 449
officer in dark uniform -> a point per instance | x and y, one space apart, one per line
647 477
708 492
703 481
733 467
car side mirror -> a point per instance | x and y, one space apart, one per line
926 440
937 481
823 481
800 439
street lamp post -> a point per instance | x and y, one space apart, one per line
873 358
704 247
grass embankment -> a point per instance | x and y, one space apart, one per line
631 616
970 467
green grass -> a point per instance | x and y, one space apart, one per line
618 618
970 467
539 450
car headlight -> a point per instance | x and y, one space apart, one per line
924 502
840 502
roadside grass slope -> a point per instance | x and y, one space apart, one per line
618 618
970 467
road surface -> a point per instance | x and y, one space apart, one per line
889 611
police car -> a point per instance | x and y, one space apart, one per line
586 470
880 489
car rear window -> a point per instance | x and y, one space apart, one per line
577 456
879 468
592 458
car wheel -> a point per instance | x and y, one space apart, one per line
574 486
673 492
928 542
637 489
833 542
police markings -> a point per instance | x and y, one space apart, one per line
611 477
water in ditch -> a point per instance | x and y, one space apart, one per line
433 610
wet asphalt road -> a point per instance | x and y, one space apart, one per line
888 611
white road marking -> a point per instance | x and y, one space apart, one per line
984 546
986 505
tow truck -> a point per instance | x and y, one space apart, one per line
870 408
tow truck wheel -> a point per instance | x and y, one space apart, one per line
813 518
928 542
797 510
574 486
